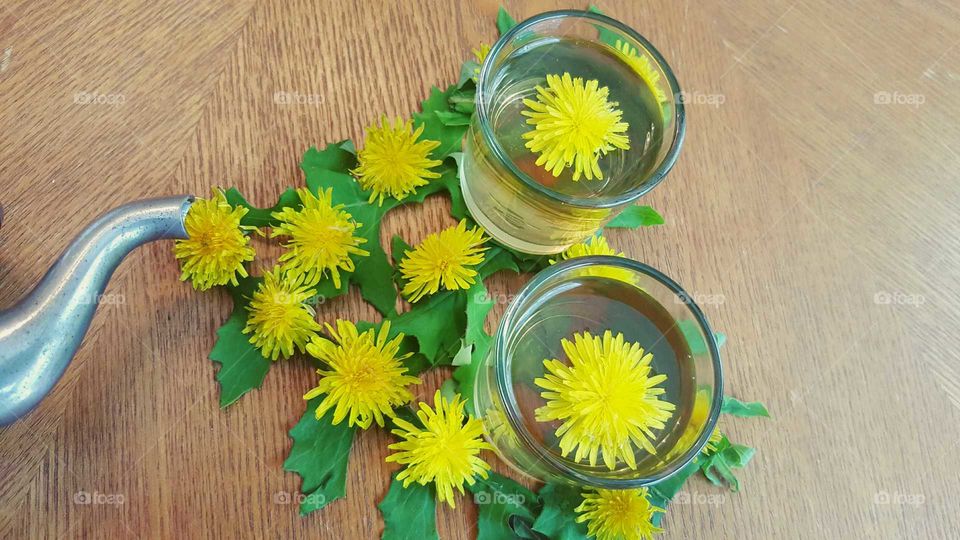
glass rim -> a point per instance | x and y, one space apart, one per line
508 398
658 174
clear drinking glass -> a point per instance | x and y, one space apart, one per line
596 294
519 203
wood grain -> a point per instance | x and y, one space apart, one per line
801 200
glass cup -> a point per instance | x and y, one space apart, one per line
521 204
595 294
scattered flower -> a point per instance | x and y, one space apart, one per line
618 514
573 125
606 398
366 378
280 319
322 238
480 54
641 66
216 247
445 258
446 451
393 162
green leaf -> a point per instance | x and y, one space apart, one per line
437 322
466 375
449 137
718 466
668 489
500 500
319 455
464 100
409 513
337 157
496 258
479 304
691 331
661 493
242 366
453 118
504 21
477 342
450 181
735 407
636 216
607 36
557 519
260 217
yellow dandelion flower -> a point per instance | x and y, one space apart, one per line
366 378
573 125
480 54
446 451
216 248
443 258
618 514
393 162
321 238
595 245
606 399
641 66
280 320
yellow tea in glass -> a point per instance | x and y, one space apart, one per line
593 296
522 204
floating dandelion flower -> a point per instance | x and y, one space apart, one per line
394 162
443 259
618 514
280 319
216 247
573 125
606 399
445 451
322 238
365 379
641 66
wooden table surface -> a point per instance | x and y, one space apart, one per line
815 203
